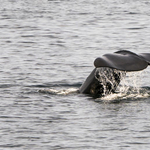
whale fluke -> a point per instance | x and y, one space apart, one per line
110 69
146 57
124 60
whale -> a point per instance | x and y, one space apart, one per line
110 69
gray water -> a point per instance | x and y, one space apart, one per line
51 45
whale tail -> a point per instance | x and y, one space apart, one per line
110 69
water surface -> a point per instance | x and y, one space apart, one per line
51 44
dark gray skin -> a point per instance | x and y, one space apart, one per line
125 61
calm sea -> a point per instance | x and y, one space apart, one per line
51 45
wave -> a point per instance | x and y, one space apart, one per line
53 85
130 94
129 89
59 92
7 85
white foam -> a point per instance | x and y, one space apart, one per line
59 92
130 88
124 96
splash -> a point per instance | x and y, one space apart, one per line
130 88
108 79
59 92
124 96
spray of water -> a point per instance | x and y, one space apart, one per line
117 85
129 88
109 79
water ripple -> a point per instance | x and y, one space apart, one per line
51 44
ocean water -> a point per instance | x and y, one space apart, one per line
50 46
